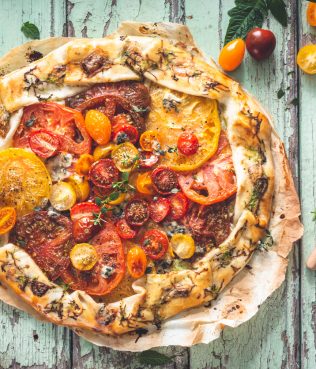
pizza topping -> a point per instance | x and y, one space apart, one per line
7 219
60 166
43 143
125 156
125 133
81 186
159 208
94 63
103 173
124 230
63 196
136 262
83 164
178 205
47 237
136 212
103 151
150 141
83 256
164 180
188 143
147 159
98 126
39 288
144 183
183 245
155 244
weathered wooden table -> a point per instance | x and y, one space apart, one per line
283 333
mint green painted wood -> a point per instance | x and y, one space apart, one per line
24 341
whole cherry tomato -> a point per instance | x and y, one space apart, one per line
232 54
311 14
98 126
188 143
260 43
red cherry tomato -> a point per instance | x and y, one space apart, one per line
82 216
124 230
125 133
260 43
159 208
155 244
232 54
147 159
188 143
136 212
179 205
164 180
121 119
103 173
44 143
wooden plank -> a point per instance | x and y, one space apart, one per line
24 341
271 338
307 98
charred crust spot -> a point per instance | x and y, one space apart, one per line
94 63
39 288
33 55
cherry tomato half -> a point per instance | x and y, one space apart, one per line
147 159
232 54
98 126
188 143
260 43
124 230
121 119
136 212
311 14
306 59
150 141
44 143
7 219
125 133
136 262
83 164
179 205
155 244
103 173
159 208
164 180
144 183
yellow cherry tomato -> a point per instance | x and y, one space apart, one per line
144 183
150 141
7 219
125 156
98 126
306 59
183 245
83 164
103 151
62 196
83 256
311 14
232 54
136 262
119 200
24 181
81 186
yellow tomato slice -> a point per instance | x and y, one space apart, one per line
144 183
24 180
83 164
83 256
125 156
183 245
306 59
63 196
7 219
150 141
81 186
173 113
103 151
136 262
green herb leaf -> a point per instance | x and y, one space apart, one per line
30 30
152 357
314 212
280 93
278 10
114 196
246 15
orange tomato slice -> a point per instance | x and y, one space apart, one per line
98 126
311 14
306 59
150 141
7 219
144 183
136 262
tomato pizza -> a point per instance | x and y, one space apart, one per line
136 181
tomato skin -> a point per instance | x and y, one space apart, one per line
103 173
144 183
159 208
7 219
155 244
147 159
125 133
311 14
44 143
136 212
124 230
120 119
83 164
164 180
260 43
188 143
150 141
232 54
136 262
179 205
98 126
306 59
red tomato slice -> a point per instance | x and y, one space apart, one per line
164 180
214 182
136 212
159 208
179 205
83 221
124 230
47 238
65 123
108 271
125 133
103 173
43 143
188 143
155 244
147 159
